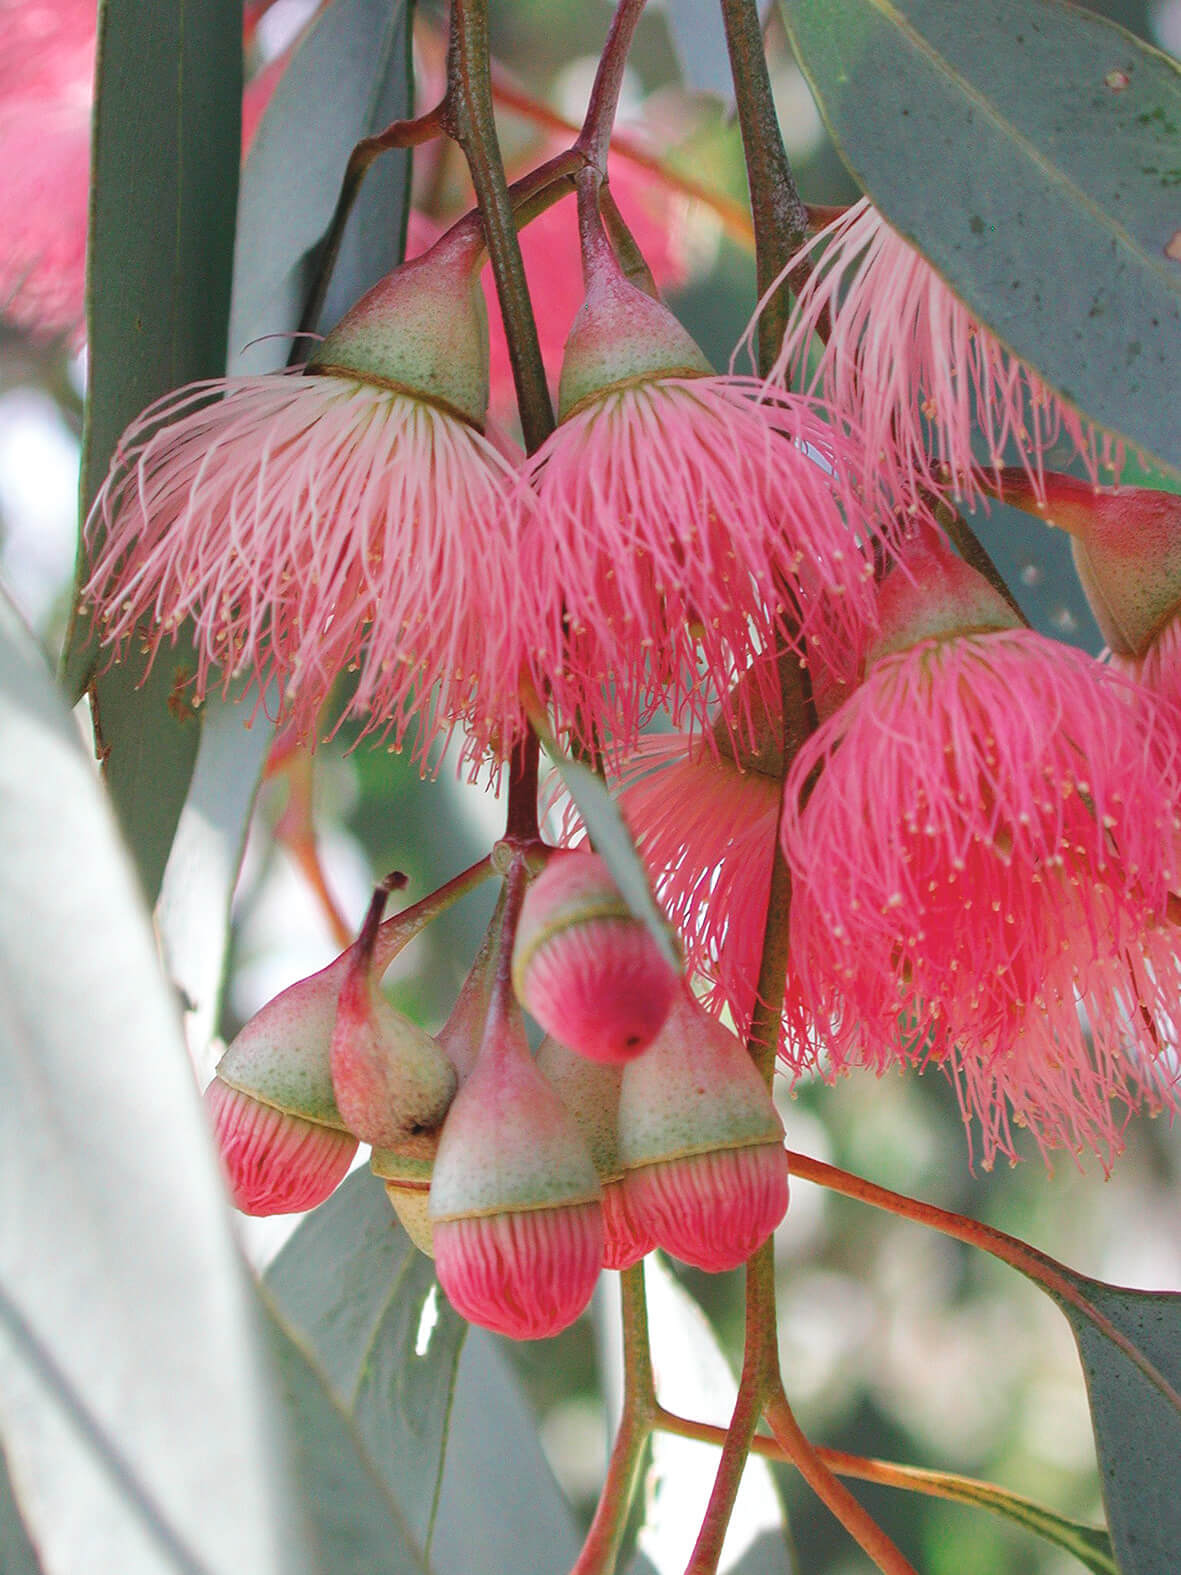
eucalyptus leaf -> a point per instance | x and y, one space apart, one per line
1032 152
365 1302
17 1554
291 180
1137 1428
164 178
613 843
193 911
353 1526
499 1495
133 1391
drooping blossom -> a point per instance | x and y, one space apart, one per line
936 395
348 520
684 523
989 838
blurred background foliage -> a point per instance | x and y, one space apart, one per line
895 1342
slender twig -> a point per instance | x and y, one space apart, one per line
521 824
470 119
855 1518
595 136
760 1376
1035 1265
780 217
398 134
601 1548
401 928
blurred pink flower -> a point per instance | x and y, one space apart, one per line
938 398
988 840
47 54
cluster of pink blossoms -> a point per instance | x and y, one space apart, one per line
980 824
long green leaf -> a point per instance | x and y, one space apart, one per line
133 1394
500 1511
17 1554
365 1302
1137 1426
163 193
291 179
1032 152
353 1525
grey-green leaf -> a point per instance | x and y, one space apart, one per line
291 180
365 1301
1032 152
163 194
193 913
352 1524
614 845
1137 1428
133 1391
17 1554
499 1495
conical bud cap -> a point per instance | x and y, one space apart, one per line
515 1201
621 336
423 328
933 594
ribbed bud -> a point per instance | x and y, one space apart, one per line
423 329
391 1078
621 336
590 1092
588 971
406 1171
701 1143
932 594
515 1201
275 1163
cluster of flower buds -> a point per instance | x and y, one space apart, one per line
641 1122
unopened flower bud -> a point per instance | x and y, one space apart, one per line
701 1143
390 1077
515 1202
275 1162
283 1144
590 1092
584 966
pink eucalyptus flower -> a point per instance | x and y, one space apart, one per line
990 830
349 520
680 524
930 388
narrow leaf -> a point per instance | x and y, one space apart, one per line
291 181
353 1526
133 1395
613 843
365 1302
17 1554
1032 152
500 1510
193 913
1137 1427
164 185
